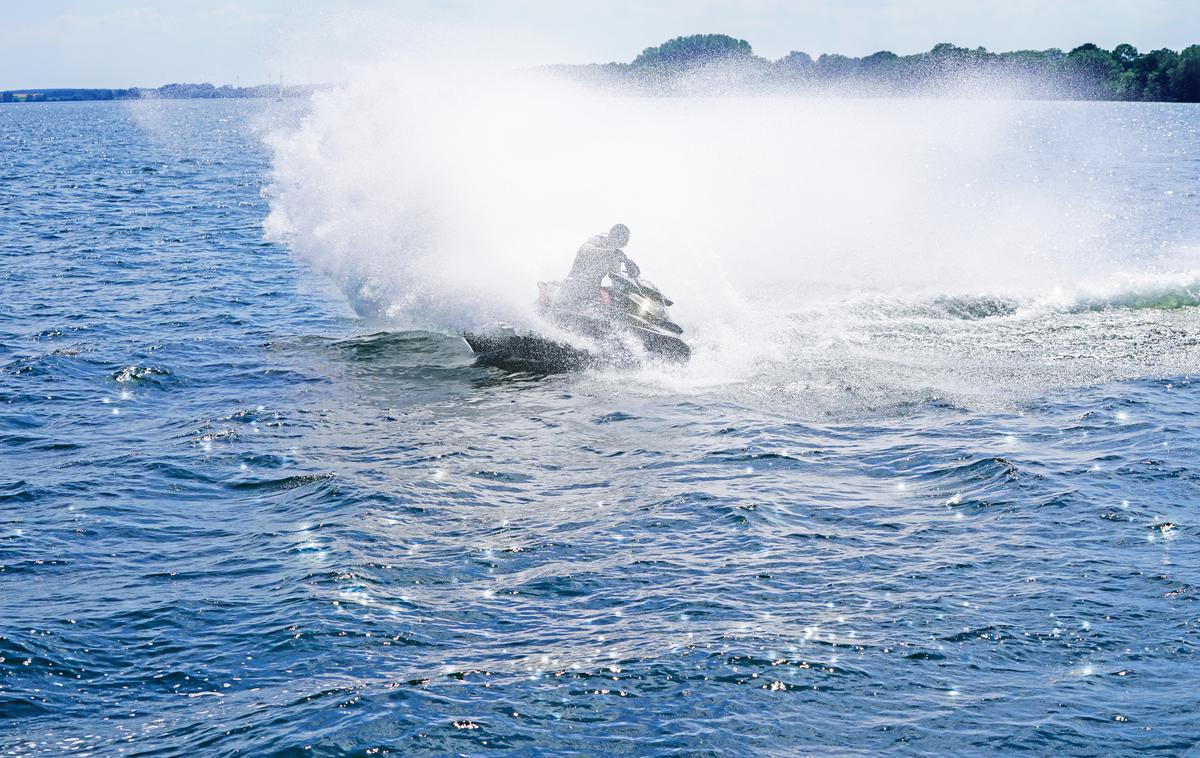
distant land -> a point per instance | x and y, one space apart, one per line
166 92
708 64
720 64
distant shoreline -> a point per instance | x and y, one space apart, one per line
203 91
717 64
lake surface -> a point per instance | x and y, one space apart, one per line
237 518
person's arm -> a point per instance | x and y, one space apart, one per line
631 267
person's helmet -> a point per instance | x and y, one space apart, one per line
618 236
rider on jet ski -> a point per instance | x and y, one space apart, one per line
621 324
597 258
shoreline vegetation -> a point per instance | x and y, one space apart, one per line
717 64
166 92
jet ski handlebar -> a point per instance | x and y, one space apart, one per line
644 287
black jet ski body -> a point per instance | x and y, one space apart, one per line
626 325
506 348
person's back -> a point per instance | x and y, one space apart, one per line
597 258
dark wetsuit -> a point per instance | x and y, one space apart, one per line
596 259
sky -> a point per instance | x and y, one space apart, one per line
122 43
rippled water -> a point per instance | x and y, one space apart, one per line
234 519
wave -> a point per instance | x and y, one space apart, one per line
1121 291
1136 291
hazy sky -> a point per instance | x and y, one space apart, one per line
115 43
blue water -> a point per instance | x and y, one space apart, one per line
237 519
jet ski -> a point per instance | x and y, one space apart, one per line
627 324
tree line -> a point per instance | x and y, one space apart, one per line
166 92
718 62
1086 72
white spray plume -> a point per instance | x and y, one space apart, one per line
437 194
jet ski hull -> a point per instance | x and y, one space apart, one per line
526 352
529 352
663 345
628 325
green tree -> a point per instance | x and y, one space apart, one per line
883 67
682 52
1185 78
1127 86
836 66
947 50
1126 55
943 62
1154 73
882 60
796 62
1091 71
